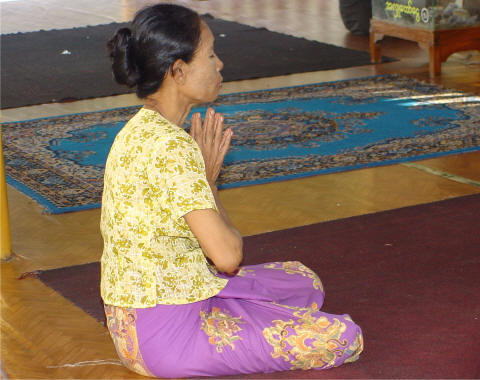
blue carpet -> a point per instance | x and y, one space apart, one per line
279 134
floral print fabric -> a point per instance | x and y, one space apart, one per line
306 341
221 328
266 319
296 267
121 324
154 175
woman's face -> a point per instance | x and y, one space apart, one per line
203 78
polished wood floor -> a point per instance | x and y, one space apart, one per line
44 336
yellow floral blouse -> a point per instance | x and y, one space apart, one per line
154 175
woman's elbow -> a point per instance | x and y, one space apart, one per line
229 263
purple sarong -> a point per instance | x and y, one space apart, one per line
266 319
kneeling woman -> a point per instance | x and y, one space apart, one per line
177 302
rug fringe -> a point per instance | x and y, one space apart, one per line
33 274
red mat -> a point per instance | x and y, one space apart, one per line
409 277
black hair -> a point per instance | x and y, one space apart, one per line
159 35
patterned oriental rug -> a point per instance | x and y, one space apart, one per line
408 277
279 134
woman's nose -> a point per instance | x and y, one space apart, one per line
219 64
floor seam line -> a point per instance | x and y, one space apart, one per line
442 174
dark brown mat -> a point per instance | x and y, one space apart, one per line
34 70
409 277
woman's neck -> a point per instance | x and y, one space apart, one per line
169 105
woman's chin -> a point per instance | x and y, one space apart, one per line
212 98
207 98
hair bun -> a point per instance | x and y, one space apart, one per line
160 34
120 51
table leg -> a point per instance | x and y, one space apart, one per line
375 49
435 60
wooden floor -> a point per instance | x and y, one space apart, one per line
43 335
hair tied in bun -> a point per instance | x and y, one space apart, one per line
143 54
120 51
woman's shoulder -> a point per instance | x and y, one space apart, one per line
149 128
154 135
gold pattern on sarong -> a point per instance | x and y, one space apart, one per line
221 328
296 267
242 272
308 342
122 327
355 349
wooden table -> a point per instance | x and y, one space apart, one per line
439 43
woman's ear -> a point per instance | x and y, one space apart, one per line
179 71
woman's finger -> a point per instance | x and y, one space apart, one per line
218 135
208 126
225 144
222 152
195 123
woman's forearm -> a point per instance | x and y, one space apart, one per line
223 212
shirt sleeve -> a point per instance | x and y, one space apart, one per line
185 177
